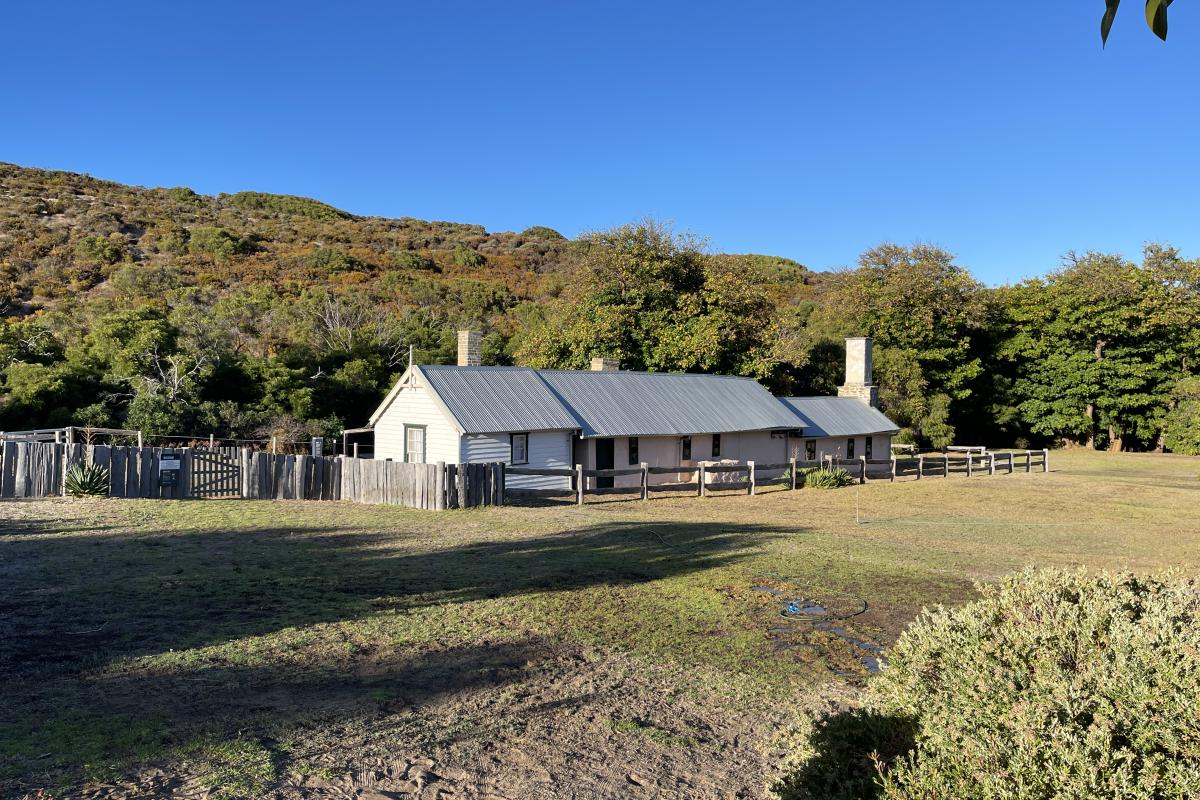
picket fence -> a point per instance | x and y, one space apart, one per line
32 469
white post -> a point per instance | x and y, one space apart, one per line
355 447
750 476
1045 460
920 465
579 484
793 474
139 438
991 463
970 462
700 479
645 481
945 466
893 477
862 469
272 445
211 442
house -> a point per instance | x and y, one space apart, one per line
602 418
851 424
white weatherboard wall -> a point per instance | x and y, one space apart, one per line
413 405
547 450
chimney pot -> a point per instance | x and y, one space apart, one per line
605 365
470 349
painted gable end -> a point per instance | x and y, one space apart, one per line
413 404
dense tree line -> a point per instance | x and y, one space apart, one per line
250 314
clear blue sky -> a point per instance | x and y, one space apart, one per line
810 130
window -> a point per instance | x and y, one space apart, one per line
685 448
716 445
850 448
810 450
867 449
414 444
519 448
633 450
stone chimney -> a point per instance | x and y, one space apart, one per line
605 364
469 349
859 381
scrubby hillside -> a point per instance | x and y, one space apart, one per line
181 312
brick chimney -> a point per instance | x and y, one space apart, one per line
859 381
605 364
469 349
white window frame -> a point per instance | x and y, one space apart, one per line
512 448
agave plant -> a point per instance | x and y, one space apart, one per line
87 480
827 478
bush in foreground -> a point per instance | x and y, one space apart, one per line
1054 684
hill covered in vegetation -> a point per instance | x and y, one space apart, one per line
251 314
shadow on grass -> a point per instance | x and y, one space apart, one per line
846 747
73 606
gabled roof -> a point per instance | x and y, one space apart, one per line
666 403
495 399
839 416
491 399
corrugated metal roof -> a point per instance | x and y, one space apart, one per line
491 399
666 403
839 416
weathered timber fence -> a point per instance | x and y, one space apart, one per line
38 469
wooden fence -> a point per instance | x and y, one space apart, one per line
703 477
33 469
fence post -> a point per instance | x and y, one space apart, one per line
1045 460
700 479
272 445
580 483
970 462
645 481
439 487
793 474
945 466
355 447
751 476
991 463
893 476
920 465
862 469
140 439
211 442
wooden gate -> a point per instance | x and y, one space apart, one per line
216 473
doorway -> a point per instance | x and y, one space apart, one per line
604 460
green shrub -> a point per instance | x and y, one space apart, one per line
542 232
826 477
99 250
287 204
1054 684
466 257
1181 428
86 480
411 259
332 259
216 242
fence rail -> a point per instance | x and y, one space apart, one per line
38 469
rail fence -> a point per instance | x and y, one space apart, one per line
39 469
703 478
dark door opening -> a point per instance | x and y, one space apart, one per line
604 460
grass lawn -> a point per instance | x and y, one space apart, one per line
250 649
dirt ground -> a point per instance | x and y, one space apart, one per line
213 649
